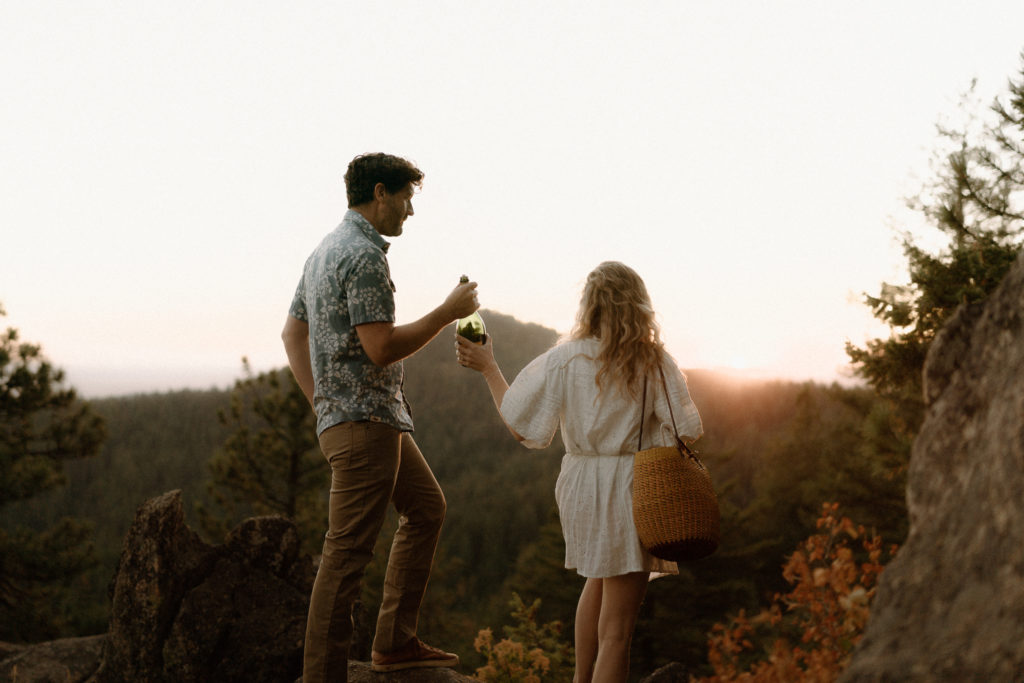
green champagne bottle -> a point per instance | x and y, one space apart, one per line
472 326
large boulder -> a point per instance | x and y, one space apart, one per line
183 610
950 606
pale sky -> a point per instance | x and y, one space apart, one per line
168 166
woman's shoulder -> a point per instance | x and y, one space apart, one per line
669 361
569 349
553 361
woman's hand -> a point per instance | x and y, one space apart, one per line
479 357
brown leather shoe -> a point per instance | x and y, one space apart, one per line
415 655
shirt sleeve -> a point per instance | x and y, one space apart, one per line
687 418
298 308
368 289
532 406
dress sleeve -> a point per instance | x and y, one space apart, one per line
687 418
533 403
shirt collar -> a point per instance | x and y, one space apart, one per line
359 220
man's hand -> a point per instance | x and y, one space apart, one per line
385 343
462 301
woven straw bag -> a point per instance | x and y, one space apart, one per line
675 508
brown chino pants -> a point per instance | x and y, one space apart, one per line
372 464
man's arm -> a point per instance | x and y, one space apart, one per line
296 344
386 343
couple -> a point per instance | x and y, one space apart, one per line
345 352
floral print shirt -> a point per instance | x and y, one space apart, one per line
346 282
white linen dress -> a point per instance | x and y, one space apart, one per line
600 432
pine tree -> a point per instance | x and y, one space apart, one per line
271 463
976 200
42 425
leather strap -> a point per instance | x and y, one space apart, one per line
643 412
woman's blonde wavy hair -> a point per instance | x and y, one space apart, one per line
616 310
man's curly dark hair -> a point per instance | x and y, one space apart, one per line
366 170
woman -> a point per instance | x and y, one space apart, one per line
592 384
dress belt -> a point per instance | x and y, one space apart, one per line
591 454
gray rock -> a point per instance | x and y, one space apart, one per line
239 624
10 649
70 660
670 673
360 672
161 560
950 606
183 610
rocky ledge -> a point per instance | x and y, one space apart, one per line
185 611
950 606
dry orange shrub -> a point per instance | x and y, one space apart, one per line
529 653
509 661
807 635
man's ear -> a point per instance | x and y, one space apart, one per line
380 192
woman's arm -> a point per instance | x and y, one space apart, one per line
480 357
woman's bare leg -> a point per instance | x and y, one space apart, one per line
620 604
588 613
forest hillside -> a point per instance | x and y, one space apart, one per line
776 451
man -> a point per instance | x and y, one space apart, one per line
346 353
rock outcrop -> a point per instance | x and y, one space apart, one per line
670 673
69 660
950 606
183 610
360 672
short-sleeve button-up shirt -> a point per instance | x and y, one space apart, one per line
346 282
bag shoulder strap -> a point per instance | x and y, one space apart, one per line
643 415
643 412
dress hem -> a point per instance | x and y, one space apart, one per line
663 571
